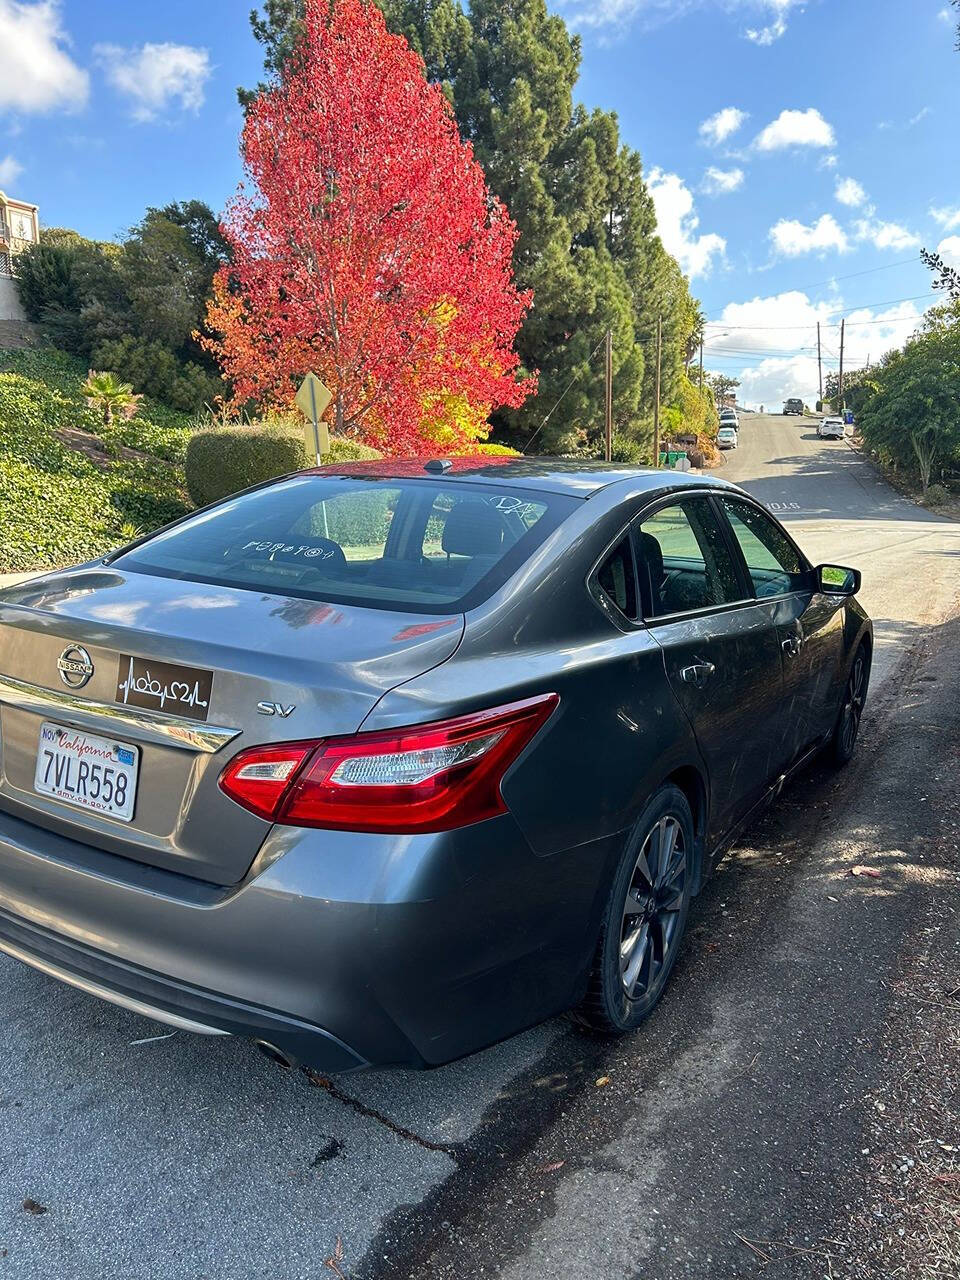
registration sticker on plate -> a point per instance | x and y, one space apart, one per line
88 771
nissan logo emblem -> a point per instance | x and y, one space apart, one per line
75 666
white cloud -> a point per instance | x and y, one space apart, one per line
677 224
949 251
849 192
796 129
719 182
945 15
885 235
156 77
10 171
36 72
718 127
767 35
947 217
780 335
827 162
593 14
906 124
791 238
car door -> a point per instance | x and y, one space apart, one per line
810 624
721 650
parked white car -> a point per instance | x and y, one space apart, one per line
830 429
728 438
728 418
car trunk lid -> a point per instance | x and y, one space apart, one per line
188 673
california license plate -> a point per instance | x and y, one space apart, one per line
86 770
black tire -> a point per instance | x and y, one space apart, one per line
844 740
625 985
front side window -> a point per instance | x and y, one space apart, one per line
683 560
416 545
773 563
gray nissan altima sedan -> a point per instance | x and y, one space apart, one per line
382 763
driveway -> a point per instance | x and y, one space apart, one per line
740 1113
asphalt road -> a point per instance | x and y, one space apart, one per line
740 1111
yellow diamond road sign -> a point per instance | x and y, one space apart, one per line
312 399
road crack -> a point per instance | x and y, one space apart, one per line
371 1113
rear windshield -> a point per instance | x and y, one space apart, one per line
410 545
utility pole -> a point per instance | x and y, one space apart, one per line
840 380
608 397
819 364
656 401
701 363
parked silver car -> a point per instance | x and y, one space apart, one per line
380 764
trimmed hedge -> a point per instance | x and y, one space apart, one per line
224 460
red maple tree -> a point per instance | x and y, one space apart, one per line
369 248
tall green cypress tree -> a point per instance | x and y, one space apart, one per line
587 246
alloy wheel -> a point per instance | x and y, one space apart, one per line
853 704
652 910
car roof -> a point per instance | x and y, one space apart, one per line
550 475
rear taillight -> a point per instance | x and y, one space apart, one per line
429 777
259 778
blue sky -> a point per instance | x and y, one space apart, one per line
800 151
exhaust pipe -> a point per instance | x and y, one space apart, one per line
273 1054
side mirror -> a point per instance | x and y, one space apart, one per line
834 580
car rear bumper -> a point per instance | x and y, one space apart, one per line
176 1004
343 951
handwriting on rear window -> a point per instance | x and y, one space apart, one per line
307 550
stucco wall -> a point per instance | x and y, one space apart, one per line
10 308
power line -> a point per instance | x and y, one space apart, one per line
852 275
563 393
888 302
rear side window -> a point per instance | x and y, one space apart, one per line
410 545
683 560
772 561
617 582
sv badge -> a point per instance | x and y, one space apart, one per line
276 709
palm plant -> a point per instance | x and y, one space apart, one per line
104 393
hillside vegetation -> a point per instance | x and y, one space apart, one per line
71 488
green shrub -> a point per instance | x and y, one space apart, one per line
152 367
624 448
224 460
490 450
936 495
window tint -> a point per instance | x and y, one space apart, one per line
772 561
617 582
401 544
683 560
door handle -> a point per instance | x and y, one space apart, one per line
698 674
792 646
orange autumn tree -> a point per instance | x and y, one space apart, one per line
366 246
